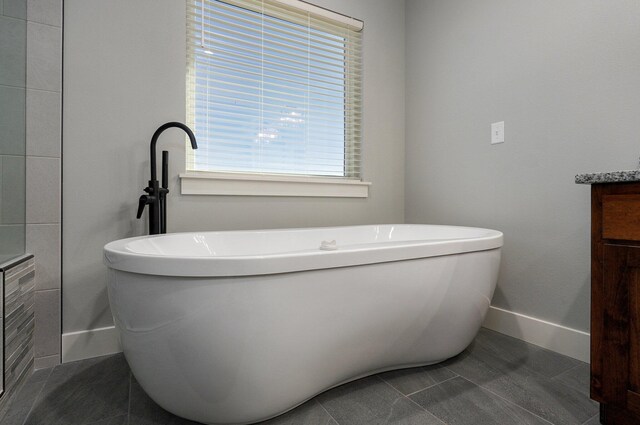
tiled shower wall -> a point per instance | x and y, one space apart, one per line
43 169
13 36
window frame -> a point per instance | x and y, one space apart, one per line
248 183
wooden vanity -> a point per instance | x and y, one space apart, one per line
615 300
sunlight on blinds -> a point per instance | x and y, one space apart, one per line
272 88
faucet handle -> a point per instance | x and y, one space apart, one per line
144 200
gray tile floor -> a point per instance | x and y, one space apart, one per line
497 380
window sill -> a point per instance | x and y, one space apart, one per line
238 184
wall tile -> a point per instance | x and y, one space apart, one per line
45 12
43 123
11 241
15 8
12 186
44 64
13 35
43 241
12 120
43 190
46 362
47 330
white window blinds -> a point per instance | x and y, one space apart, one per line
273 88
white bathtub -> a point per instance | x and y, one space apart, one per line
238 327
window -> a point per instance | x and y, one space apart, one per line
273 88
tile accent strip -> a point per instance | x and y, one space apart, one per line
19 287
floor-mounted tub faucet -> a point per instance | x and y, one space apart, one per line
156 196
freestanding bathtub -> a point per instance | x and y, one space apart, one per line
238 327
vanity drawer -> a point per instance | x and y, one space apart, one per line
621 217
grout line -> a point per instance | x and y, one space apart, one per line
392 387
26 88
507 401
426 410
564 371
43 90
50 372
40 156
591 418
37 397
13 155
431 386
412 401
42 23
14 18
325 409
10 86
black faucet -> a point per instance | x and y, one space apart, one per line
156 196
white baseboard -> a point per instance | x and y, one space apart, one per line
570 342
554 337
92 343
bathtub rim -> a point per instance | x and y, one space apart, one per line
116 256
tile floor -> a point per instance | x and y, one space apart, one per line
497 380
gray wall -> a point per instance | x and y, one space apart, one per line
565 78
125 75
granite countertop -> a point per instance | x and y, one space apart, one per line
608 177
